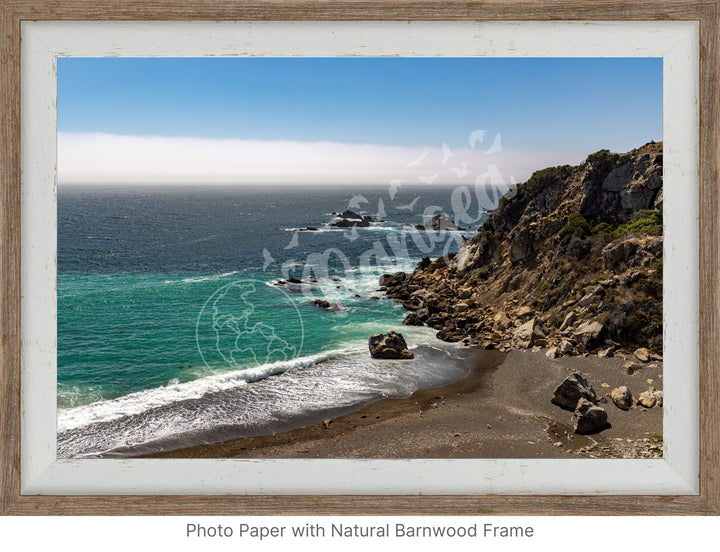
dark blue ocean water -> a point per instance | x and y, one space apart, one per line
173 328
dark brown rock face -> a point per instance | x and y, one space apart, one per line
624 185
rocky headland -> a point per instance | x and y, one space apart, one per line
570 260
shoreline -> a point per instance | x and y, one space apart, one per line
502 409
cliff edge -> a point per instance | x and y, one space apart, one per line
570 260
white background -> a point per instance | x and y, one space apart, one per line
74 534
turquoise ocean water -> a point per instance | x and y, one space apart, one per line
175 327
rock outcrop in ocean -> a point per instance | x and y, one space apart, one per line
439 223
570 260
350 219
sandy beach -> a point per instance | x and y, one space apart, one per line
501 410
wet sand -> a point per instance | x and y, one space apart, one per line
501 410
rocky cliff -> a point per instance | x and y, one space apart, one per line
570 260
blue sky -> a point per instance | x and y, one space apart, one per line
567 106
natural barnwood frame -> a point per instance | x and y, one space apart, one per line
13 12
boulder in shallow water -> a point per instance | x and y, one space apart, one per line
391 346
439 223
327 305
451 336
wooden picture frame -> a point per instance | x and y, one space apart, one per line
13 12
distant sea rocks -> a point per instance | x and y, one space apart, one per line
439 223
350 219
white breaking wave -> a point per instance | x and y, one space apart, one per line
142 401
209 278
294 399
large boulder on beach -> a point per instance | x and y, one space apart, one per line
391 345
571 390
589 333
631 368
650 398
622 397
501 322
589 417
529 334
566 348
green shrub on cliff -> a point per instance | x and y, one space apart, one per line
643 222
577 226
544 178
537 182
603 227
600 162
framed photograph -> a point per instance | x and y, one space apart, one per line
384 258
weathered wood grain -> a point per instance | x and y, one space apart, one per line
9 257
12 12
349 10
709 257
361 505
